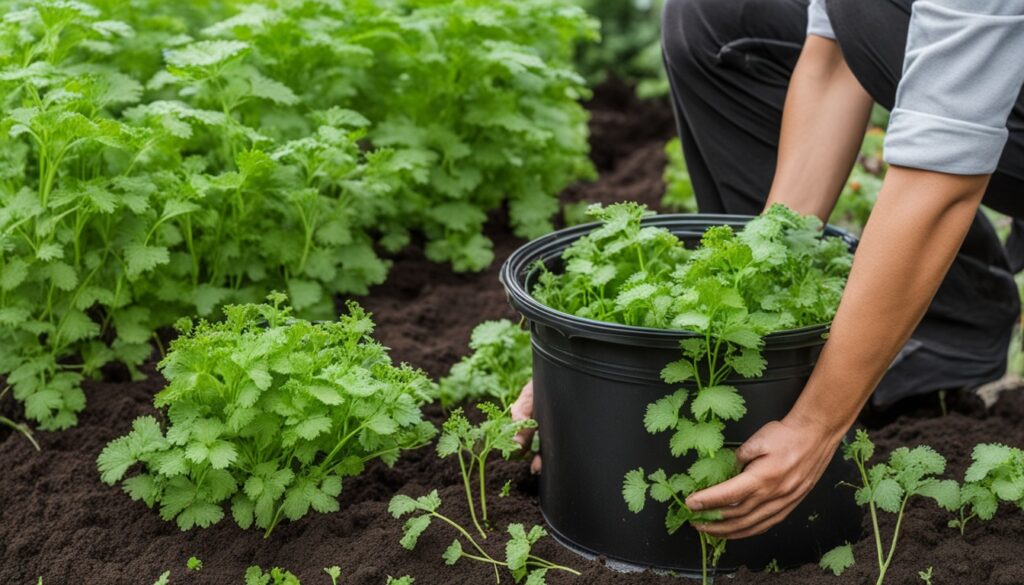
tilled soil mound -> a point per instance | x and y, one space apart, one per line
58 521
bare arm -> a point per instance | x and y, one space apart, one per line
823 124
915 230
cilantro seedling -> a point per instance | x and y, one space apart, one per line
472 445
889 486
194 564
496 370
269 413
404 580
254 575
996 474
334 573
164 579
519 559
926 575
838 559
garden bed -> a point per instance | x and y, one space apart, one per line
58 521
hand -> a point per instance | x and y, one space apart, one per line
781 463
522 409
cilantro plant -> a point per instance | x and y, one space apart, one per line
268 413
519 559
334 573
732 291
501 363
889 486
996 474
403 580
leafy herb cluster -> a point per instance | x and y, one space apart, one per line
735 288
501 363
996 475
268 413
163 159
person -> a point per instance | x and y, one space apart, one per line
772 99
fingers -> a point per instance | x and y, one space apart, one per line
522 409
724 494
762 510
759 526
755 446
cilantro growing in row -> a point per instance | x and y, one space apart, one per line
269 414
732 291
162 159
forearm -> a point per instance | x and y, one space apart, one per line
823 124
913 235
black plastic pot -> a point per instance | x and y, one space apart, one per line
593 381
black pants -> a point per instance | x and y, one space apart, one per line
729 64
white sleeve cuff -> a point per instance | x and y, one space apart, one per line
817 20
945 145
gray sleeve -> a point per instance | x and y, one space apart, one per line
817 20
962 75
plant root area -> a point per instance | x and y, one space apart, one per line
58 521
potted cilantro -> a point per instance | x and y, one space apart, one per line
660 344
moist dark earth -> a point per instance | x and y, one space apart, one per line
58 521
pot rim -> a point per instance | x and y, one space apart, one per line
517 270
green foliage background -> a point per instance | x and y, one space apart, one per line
162 159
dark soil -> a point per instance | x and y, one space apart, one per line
58 521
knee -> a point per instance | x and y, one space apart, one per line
688 32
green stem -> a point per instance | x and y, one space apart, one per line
703 558
483 488
544 564
21 428
462 531
469 495
892 546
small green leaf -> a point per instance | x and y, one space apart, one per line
453 553
838 559
412 530
634 490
